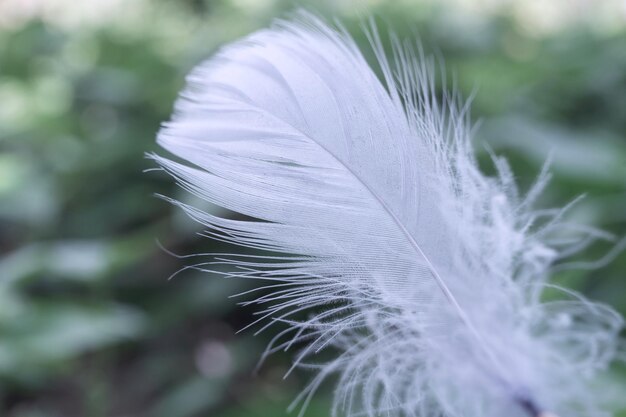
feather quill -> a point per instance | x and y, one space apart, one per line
422 273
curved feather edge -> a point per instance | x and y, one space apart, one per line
423 274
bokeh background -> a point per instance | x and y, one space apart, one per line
91 326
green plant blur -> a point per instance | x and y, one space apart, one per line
91 326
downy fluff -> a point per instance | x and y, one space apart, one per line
378 236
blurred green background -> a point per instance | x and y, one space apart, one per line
91 326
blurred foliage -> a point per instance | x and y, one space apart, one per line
90 325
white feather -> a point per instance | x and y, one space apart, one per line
423 273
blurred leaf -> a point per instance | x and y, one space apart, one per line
48 333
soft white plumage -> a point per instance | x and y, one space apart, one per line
423 273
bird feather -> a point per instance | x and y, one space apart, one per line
422 274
